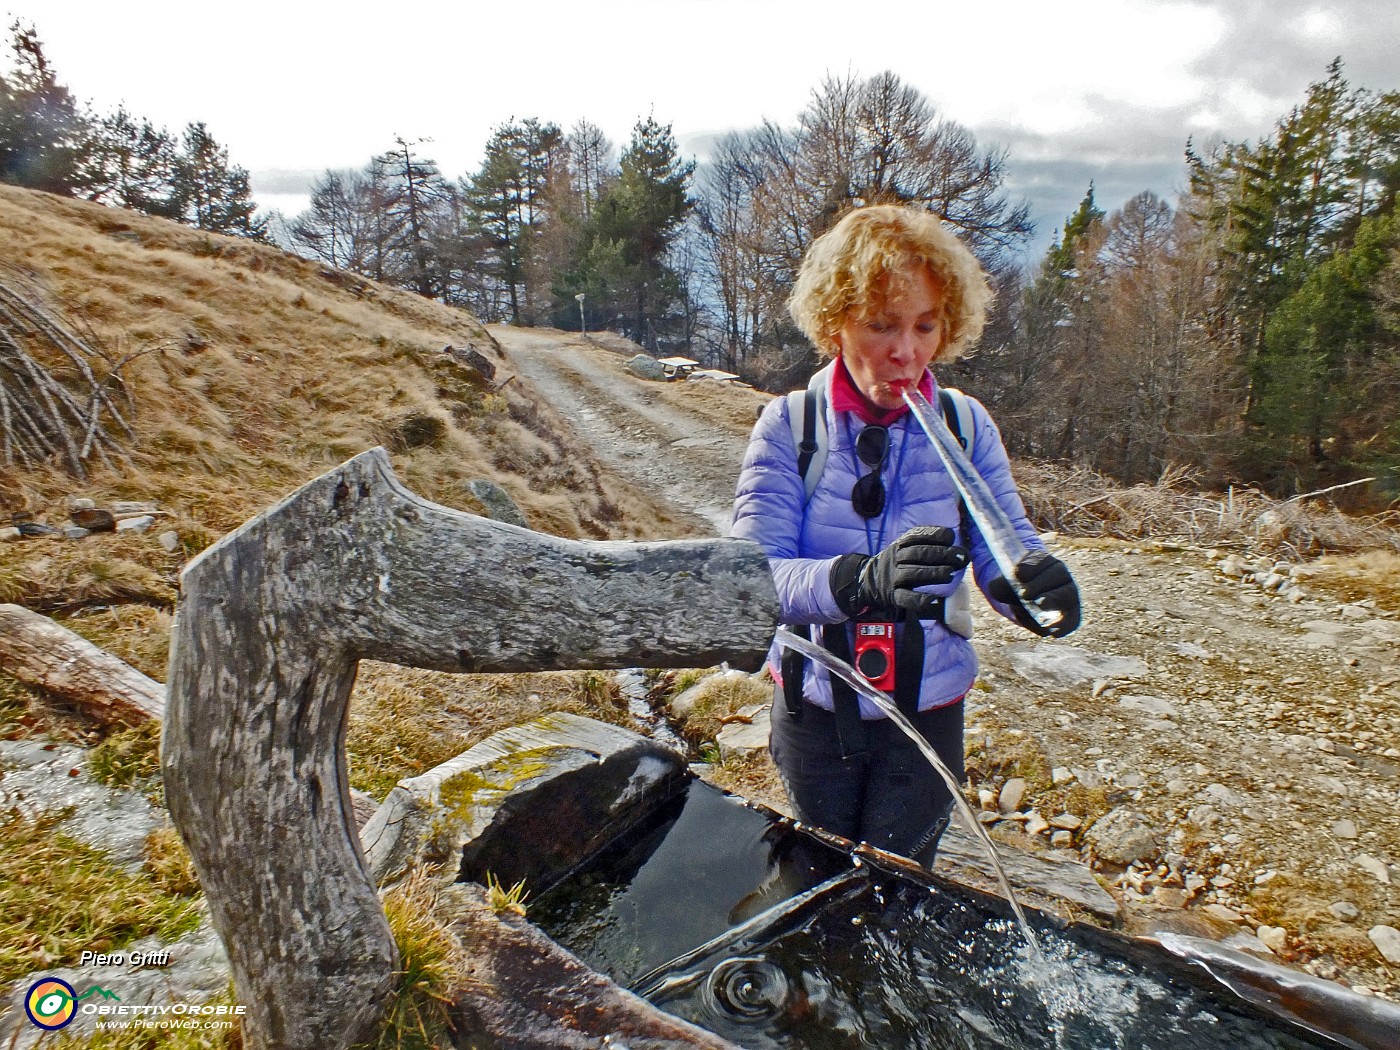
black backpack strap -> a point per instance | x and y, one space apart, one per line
794 667
850 728
909 668
807 447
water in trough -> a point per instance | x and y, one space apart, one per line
775 938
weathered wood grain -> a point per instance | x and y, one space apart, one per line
271 624
48 656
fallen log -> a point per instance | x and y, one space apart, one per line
43 654
271 625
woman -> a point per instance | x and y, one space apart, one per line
882 541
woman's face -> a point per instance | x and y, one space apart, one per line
887 349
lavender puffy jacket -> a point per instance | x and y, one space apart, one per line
802 543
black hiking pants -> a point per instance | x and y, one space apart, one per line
890 796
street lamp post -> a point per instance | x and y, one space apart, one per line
582 325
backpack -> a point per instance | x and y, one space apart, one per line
807 416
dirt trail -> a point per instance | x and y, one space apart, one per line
663 439
1245 742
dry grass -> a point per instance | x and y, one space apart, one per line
59 897
1075 501
1373 575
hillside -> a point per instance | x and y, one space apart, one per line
264 369
1254 728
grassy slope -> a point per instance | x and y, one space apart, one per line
266 370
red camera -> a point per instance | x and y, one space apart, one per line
875 653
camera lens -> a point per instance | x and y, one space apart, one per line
872 663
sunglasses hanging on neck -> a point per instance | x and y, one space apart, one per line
868 493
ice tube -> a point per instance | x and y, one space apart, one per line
992 522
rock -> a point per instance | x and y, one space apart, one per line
9 532
1274 937
1168 897
1061 775
1122 836
93 519
1045 876
81 503
140 524
1009 799
170 540
1066 822
644 367
1372 866
988 817
1059 666
1061 839
1132 780
986 798
1224 796
740 739
1151 705
497 502
132 507
1344 910
1344 829
1224 914
1036 824
1387 942
1323 744
564 783
75 532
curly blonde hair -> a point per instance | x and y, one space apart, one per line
851 268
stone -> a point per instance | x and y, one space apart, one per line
1325 745
645 367
564 783
1372 866
1344 910
1009 798
1274 937
1066 822
740 738
1061 775
499 506
170 540
1222 795
140 524
75 532
1051 877
1151 705
1122 836
1060 667
1168 897
132 507
1224 914
1036 824
81 503
986 798
1344 829
1061 839
9 532
1387 942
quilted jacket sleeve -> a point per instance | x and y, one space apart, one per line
769 508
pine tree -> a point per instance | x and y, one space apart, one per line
213 194
42 131
130 163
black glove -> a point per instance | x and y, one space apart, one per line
1045 577
886 582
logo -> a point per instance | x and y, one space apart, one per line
51 1003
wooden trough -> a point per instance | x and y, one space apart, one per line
271 625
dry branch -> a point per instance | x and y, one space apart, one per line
42 417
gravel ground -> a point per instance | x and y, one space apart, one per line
1224 722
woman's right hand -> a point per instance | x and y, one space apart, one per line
887 581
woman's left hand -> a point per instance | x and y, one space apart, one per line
1046 581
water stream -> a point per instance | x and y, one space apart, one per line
853 678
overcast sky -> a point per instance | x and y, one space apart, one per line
1107 90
